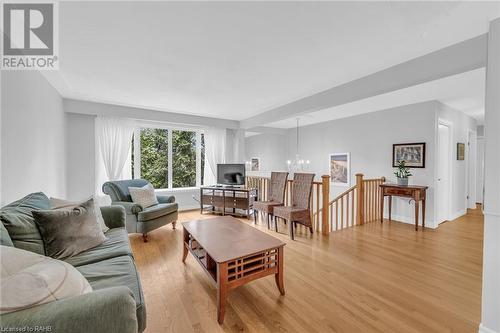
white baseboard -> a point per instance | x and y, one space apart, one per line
411 220
458 214
484 329
188 207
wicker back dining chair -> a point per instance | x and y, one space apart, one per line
299 211
275 196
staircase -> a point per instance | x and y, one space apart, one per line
358 205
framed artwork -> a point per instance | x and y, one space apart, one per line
460 151
340 169
255 164
412 153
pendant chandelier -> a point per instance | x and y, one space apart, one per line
298 164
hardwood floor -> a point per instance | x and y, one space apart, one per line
371 278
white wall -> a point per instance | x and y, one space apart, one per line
461 125
33 137
369 138
81 163
272 149
490 319
80 156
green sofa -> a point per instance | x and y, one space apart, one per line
142 220
116 303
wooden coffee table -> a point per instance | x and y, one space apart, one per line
232 253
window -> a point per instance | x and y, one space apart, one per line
168 157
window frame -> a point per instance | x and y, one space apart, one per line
170 128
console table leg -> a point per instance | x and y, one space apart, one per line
390 207
423 214
221 291
278 277
416 215
381 206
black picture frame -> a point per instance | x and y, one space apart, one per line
415 145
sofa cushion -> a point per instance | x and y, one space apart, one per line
116 244
119 271
18 219
156 211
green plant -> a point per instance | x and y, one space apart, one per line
403 170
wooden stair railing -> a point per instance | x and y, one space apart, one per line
357 205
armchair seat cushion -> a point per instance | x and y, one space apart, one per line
157 211
119 271
115 245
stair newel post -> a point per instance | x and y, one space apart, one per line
325 213
359 199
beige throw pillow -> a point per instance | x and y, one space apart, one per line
143 196
56 203
28 279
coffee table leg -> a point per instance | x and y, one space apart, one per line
185 244
278 277
221 291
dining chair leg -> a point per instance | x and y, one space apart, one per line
275 223
291 230
311 230
268 218
254 216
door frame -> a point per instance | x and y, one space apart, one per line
470 169
450 169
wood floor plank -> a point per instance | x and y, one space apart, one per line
370 278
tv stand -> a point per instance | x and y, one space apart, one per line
225 200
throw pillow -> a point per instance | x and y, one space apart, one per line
28 279
56 203
66 233
143 196
20 224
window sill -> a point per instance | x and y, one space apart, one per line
179 189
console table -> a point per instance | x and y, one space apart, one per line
227 200
415 192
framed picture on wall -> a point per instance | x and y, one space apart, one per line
412 153
460 151
255 164
340 169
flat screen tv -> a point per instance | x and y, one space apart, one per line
231 174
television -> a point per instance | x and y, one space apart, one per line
231 174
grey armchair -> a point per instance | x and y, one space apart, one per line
139 219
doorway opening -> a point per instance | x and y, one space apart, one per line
443 174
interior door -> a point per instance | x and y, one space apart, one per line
443 174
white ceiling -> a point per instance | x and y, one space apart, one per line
234 60
463 92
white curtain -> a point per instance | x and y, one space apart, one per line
215 153
113 138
